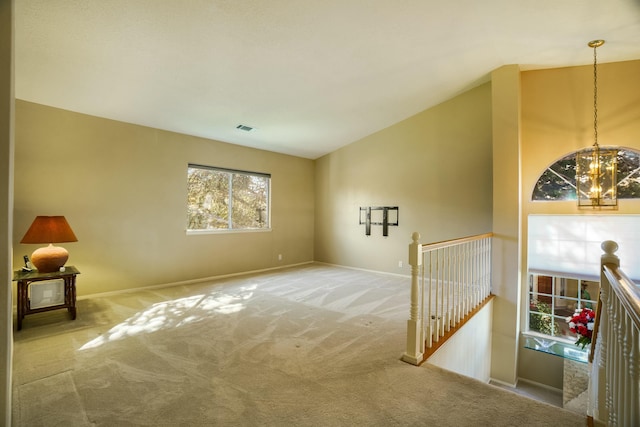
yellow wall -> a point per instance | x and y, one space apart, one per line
123 189
557 119
435 166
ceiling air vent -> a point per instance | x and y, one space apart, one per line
245 128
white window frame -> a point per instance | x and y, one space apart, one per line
230 227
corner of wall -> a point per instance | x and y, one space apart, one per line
507 210
6 206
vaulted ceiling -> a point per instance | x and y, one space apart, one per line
309 76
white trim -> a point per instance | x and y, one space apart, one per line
209 231
564 275
408 276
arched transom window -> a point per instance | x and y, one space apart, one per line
558 181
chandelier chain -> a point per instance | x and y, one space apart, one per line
596 169
595 96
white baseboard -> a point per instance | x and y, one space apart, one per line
540 385
189 282
408 276
503 383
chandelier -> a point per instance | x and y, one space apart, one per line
595 167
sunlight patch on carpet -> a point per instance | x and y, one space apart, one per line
175 313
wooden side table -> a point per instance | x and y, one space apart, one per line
25 278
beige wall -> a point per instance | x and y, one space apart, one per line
122 188
6 206
435 166
557 119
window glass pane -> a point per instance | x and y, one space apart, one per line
564 306
208 198
558 181
571 289
563 329
250 195
628 175
540 306
543 323
588 294
543 288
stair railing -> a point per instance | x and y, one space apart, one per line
449 280
615 374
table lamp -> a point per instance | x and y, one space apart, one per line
49 229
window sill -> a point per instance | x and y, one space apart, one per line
212 231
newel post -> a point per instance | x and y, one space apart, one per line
601 339
415 335
609 247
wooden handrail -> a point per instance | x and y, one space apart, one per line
426 247
628 292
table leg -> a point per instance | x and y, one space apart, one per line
71 295
21 300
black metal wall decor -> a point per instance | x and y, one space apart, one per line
379 215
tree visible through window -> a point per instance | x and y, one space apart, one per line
223 199
558 181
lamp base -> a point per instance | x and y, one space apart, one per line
49 258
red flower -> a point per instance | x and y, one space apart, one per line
581 323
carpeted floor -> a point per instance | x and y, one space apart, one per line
308 346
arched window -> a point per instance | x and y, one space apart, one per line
558 181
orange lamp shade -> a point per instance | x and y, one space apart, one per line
49 229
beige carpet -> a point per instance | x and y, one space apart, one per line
309 346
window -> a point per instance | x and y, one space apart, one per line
563 264
553 298
558 181
223 199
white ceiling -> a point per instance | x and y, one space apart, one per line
309 75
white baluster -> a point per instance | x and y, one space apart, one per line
600 404
448 304
613 381
441 289
430 304
634 377
458 273
476 274
626 368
